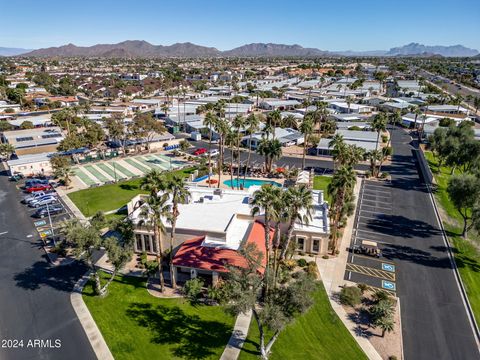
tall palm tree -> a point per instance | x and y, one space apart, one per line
306 128
266 200
290 121
417 112
174 186
271 150
379 124
340 189
298 205
396 117
222 128
274 119
210 121
238 123
230 141
253 124
337 146
157 210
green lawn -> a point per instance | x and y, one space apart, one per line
109 197
318 334
467 257
321 183
136 325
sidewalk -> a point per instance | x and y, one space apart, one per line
239 334
72 207
332 271
93 333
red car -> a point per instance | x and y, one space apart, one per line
200 151
38 187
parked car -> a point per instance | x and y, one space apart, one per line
44 200
213 152
53 209
32 182
38 187
367 247
200 151
33 196
16 177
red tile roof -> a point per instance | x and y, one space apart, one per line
192 254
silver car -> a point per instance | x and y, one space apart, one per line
46 200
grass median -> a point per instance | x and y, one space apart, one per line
467 255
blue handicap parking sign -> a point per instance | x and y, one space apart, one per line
388 285
40 223
388 267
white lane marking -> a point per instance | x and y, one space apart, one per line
3 233
29 236
374 232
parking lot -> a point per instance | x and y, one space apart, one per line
46 226
373 223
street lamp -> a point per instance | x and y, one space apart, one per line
51 226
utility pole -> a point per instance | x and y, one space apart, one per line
51 226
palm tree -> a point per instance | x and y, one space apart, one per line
373 156
337 146
274 119
230 141
306 128
210 121
476 103
6 149
271 150
152 182
417 112
238 123
221 127
340 189
298 204
379 124
289 121
396 117
152 215
253 123
174 186
266 200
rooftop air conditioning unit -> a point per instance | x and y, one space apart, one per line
218 192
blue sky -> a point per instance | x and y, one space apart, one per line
325 24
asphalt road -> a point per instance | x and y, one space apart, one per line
34 296
434 321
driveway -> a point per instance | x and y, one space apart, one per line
34 296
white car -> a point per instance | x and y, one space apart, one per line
46 200
33 196
213 153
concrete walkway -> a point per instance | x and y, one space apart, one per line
93 333
71 206
332 272
239 334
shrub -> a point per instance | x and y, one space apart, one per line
192 289
446 122
384 175
381 310
350 295
290 264
387 151
302 262
312 270
384 138
325 257
362 287
354 128
392 357
380 295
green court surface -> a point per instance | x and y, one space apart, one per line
83 177
102 178
122 169
135 164
115 174
158 162
175 163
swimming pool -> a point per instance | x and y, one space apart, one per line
250 182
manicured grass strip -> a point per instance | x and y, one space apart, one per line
317 334
84 177
135 164
467 256
96 173
136 325
114 174
321 183
110 197
124 170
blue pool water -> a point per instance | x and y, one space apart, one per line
250 182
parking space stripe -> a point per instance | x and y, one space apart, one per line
371 272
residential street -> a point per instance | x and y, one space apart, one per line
34 296
434 320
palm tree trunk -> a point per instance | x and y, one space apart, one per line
249 156
285 246
159 255
239 162
209 156
220 161
304 151
103 290
172 235
267 257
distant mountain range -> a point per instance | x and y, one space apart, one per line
139 48
4 51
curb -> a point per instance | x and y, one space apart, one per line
86 320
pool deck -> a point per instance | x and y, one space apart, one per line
227 177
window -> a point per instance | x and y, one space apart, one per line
146 239
154 244
53 135
25 138
138 239
300 243
316 245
